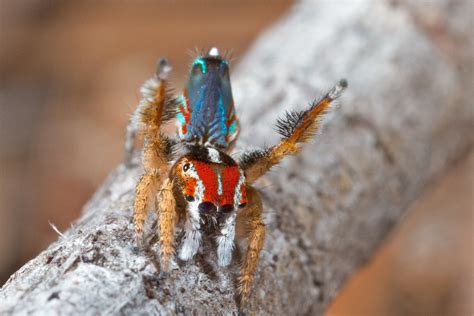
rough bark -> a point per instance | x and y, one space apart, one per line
407 114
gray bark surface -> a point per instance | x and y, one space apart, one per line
406 115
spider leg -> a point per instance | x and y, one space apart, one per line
250 226
192 233
154 108
296 128
167 220
153 90
144 197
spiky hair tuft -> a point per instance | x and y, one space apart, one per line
300 126
250 157
286 125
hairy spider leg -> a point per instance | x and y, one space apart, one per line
154 108
296 128
142 112
251 227
167 220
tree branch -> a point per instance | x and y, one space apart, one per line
407 115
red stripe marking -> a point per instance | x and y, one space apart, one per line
190 187
230 179
209 180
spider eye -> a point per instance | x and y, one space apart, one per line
189 198
242 205
186 167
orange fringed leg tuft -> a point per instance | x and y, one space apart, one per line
144 197
251 227
167 218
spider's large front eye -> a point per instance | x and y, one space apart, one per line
186 167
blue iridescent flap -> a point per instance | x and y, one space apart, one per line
206 113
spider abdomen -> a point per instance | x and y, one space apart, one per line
206 113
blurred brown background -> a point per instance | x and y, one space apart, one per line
69 78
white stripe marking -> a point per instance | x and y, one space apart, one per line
219 184
214 155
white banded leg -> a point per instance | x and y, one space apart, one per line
192 236
225 241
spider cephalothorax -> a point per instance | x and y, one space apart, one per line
213 186
202 187
211 178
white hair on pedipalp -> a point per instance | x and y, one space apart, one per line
192 237
225 241
191 240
